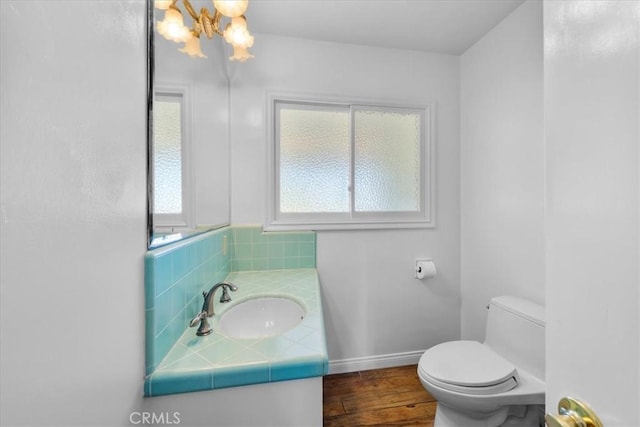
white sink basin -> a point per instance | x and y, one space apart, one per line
260 317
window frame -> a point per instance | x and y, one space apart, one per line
184 221
279 221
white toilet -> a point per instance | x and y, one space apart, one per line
500 382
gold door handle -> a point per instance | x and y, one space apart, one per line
573 413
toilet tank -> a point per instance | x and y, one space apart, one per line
516 331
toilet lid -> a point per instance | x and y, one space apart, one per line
468 367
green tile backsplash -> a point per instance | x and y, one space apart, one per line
175 277
177 274
253 249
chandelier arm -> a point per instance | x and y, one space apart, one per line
205 23
190 9
216 22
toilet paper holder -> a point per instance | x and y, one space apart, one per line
425 268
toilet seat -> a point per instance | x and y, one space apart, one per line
467 367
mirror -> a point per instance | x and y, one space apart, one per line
187 138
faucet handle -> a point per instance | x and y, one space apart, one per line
225 291
225 295
200 316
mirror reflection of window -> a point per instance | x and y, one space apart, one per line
170 202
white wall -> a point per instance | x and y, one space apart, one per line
592 134
373 306
502 166
72 211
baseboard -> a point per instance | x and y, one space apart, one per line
374 362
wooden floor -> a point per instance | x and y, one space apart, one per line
380 397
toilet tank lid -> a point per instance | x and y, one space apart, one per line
467 363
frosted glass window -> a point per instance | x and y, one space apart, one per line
387 161
314 160
341 165
167 154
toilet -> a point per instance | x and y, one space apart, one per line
499 382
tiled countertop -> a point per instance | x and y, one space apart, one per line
217 361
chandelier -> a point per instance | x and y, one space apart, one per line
235 33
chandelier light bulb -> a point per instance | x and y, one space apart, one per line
231 8
192 48
172 26
236 33
240 54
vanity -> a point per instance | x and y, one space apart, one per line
218 360
268 341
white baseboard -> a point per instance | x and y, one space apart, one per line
374 362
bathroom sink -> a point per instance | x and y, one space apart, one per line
260 317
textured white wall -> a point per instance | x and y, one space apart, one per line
73 191
373 305
502 166
592 134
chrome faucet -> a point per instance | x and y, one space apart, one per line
207 307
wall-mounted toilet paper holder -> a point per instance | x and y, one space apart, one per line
425 268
